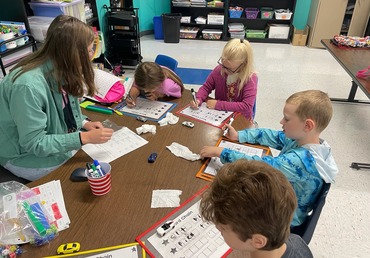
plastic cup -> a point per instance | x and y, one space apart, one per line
103 184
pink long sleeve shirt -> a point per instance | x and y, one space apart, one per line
242 101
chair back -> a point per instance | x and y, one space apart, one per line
308 227
166 61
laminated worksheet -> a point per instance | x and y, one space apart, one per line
190 236
122 142
209 116
153 110
210 168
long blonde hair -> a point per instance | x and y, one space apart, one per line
240 50
66 46
149 75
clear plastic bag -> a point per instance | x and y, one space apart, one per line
23 218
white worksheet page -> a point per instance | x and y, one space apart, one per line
215 164
122 142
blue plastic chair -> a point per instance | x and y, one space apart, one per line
166 61
308 227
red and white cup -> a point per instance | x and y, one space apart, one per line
103 184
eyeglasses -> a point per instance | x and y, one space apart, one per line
228 69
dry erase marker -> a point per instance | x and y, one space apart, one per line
230 122
90 170
99 109
99 168
95 173
194 98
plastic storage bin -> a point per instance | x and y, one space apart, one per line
212 34
267 13
251 13
39 26
235 12
75 8
258 34
188 32
158 28
281 14
171 27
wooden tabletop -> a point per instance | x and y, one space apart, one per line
352 60
121 215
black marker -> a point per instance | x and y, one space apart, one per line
194 98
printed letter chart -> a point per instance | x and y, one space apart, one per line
190 237
203 114
122 142
152 110
213 165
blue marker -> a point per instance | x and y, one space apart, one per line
99 168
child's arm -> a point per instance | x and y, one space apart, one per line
262 136
208 86
132 96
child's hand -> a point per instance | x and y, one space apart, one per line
232 134
211 103
130 101
210 151
194 105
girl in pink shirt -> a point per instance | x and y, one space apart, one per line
234 81
153 82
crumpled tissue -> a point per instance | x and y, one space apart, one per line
182 152
166 198
146 129
169 119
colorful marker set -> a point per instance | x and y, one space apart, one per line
95 170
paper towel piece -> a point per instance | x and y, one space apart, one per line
166 198
183 152
146 129
169 119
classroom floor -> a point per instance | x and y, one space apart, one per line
343 228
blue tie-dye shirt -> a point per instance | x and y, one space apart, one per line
305 166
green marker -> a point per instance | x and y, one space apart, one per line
99 109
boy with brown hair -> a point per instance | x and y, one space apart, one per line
305 159
252 205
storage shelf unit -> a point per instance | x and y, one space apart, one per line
252 24
194 12
262 24
123 36
31 43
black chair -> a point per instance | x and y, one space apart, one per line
308 227
6 175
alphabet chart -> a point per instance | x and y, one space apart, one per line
190 237
152 110
203 114
209 169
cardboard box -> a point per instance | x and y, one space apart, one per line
300 37
278 31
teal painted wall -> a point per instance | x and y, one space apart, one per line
150 8
302 9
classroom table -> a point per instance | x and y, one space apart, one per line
121 215
352 60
